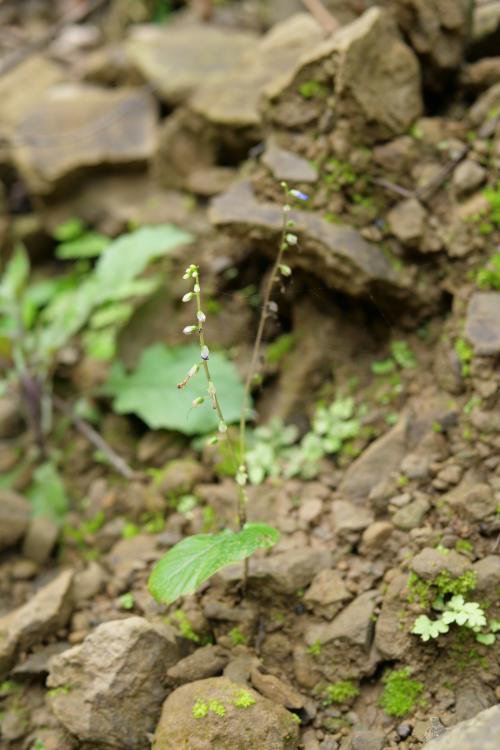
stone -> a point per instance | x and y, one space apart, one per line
237 99
88 583
207 661
376 535
471 698
210 181
468 176
326 594
11 423
407 221
476 502
487 571
337 254
371 109
176 61
40 539
112 685
47 611
392 639
210 714
14 518
486 21
366 739
482 324
479 733
78 127
181 475
348 518
412 515
430 562
284 165
276 690
482 74
345 642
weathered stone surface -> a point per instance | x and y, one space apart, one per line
475 502
375 536
407 220
87 583
468 176
177 61
207 661
181 475
355 64
349 518
365 739
338 254
345 642
430 562
276 690
40 539
48 610
392 640
116 683
14 518
263 724
487 571
482 74
411 515
479 733
482 325
235 99
284 165
76 127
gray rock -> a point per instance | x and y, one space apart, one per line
391 639
338 254
263 724
407 221
14 518
11 423
471 698
77 127
177 61
412 515
468 176
47 611
326 594
488 574
113 684
276 690
482 325
376 535
478 733
366 739
88 583
475 502
40 539
349 518
284 165
181 475
430 562
207 661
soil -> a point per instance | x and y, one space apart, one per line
417 492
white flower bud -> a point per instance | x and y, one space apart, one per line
201 316
222 426
291 238
205 354
189 329
198 401
188 297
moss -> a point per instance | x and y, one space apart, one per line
313 90
185 626
62 690
400 692
237 637
216 708
314 649
200 709
443 585
244 699
341 692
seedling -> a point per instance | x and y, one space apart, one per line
192 561
401 693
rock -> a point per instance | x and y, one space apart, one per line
482 74
40 539
65 114
210 181
284 165
276 690
128 556
47 611
88 583
487 571
283 573
438 31
412 515
38 663
237 99
349 518
371 110
366 739
338 254
181 475
468 176
407 221
476 502
11 423
429 563
326 594
376 535
478 733
210 713
345 642
486 21
207 661
14 518
482 325
112 685
392 639
177 61
471 698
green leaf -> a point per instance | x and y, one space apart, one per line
426 628
15 276
487 639
89 245
69 230
48 494
151 391
191 562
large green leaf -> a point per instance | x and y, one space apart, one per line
191 562
48 494
151 391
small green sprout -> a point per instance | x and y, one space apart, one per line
237 637
465 354
62 690
314 649
341 692
217 708
185 627
127 601
200 709
244 699
400 692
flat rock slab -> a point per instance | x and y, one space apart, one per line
178 60
482 325
480 733
218 713
108 690
337 254
75 127
284 165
